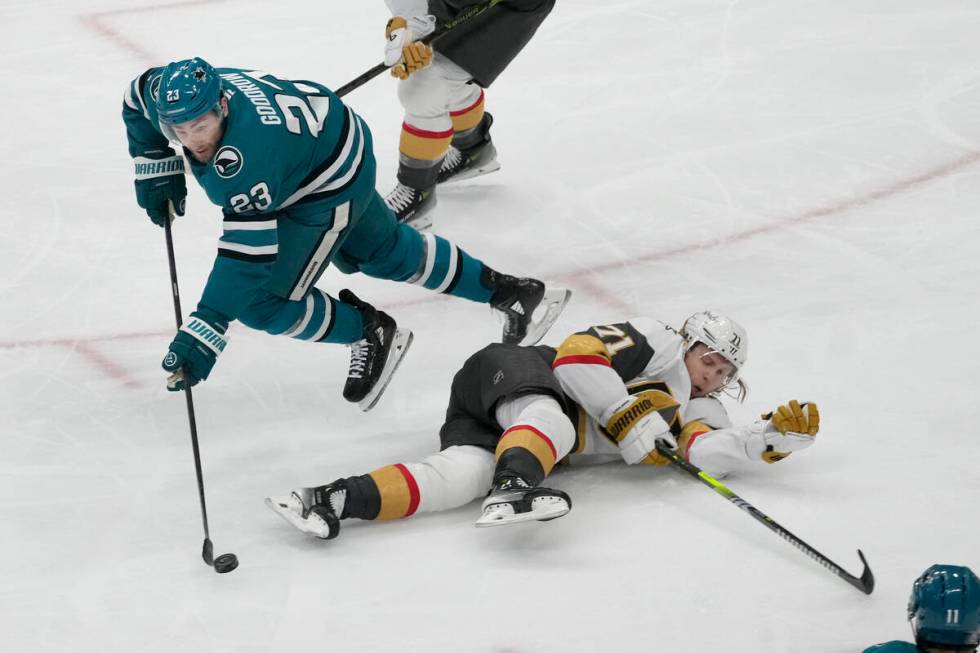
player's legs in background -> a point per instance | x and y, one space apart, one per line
472 152
428 97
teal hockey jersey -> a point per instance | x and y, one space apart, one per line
285 143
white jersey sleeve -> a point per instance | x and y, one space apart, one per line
714 444
408 8
721 451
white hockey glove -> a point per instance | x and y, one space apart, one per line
637 422
791 427
404 53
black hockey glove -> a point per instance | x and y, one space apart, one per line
159 181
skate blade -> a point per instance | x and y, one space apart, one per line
313 525
546 512
486 169
552 304
403 340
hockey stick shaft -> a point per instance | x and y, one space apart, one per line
207 551
865 582
374 71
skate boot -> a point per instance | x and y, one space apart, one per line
412 206
375 357
313 510
470 155
512 500
529 309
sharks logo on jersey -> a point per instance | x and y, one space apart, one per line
228 162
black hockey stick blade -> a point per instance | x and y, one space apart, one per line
866 583
223 563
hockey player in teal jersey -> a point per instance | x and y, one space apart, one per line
944 612
293 170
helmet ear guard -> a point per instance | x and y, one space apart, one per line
724 336
944 608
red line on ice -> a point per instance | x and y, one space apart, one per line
584 276
94 22
100 360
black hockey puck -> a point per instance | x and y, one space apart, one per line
226 562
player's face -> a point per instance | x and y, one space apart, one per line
708 369
202 135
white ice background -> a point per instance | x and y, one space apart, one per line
809 167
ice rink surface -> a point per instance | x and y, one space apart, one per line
810 168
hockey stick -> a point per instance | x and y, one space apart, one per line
865 583
228 561
374 71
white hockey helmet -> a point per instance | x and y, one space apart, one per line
721 334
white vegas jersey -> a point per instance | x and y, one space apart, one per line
601 367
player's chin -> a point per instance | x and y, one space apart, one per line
203 156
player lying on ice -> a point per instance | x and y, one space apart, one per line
293 170
611 391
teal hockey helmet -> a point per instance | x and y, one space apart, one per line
944 608
188 90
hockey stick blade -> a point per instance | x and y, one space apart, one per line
864 583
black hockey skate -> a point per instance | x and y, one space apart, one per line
375 357
512 501
465 160
412 206
520 300
312 510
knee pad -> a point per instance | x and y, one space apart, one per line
542 412
425 97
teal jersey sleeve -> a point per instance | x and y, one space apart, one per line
893 647
285 143
140 116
